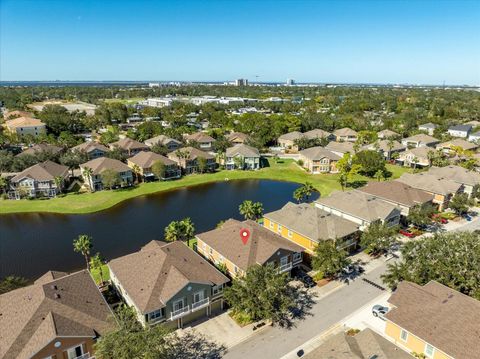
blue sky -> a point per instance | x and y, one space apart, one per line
311 41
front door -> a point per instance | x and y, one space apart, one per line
197 297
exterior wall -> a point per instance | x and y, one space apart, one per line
342 214
95 154
453 133
323 165
346 138
34 130
66 343
34 188
249 163
295 237
413 343
408 157
287 144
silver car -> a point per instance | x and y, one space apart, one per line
379 311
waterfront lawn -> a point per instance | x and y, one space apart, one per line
281 170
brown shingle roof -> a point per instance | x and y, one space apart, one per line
24 122
387 133
161 139
191 152
152 276
200 137
147 159
242 150
346 131
261 245
291 136
45 171
430 183
41 147
238 136
317 133
90 146
318 152
17 113
397 192
312 222
98 165
421 138
128 144
341 147
365 345
439 315
359 204
458 142
33 316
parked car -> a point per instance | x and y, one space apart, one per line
352 269
467 217
379 311
406 233
437 218
303 277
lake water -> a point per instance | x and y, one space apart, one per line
31 244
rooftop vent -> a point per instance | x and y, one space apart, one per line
57 296
53 286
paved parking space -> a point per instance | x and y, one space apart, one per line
363 318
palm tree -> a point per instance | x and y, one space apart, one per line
379 175
96 262
415 162
172 231
87 174
83 244
390 144
136 170
3 183
188 229
58 182
251 210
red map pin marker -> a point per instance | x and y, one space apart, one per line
244 235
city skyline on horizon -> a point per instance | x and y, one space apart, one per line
369 42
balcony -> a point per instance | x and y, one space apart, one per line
200 304
85 356
285 267
180 312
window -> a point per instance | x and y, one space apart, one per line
279 228
204 246
403 335
156 314
75 352
235 269
211 251
271 225
290 234
429 350
198 296
178 304
297 256
216 289
220 260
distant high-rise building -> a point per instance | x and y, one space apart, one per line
290 82
154 84
241 82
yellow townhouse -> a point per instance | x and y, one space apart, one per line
434 320
307 225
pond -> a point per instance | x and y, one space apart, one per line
31 244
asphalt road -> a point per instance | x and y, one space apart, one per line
275 342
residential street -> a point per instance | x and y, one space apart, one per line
276 342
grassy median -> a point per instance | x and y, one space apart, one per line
284 170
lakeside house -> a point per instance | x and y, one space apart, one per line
242 157
434 320
420 140
366 344
205 142
468 179
417 157
442 189
287 140
162 140
360 207
345 134
460 130
59 316
319 160
41 148
307 225
129 146
22 126
92 172
237 138
474 137
92 149
46 179
187 159
168 283
386 147
224 245
450 147
399 194
387 134
143 162
340 148
428 128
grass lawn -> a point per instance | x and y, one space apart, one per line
96 274
285 170
125 101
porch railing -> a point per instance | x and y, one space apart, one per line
180 312
200 304
85 356
285 267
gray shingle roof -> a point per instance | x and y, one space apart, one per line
90 146
318 152
33 316
191 152
45 171
262 244
346 131
153 275
342 147
317 133
242 150
162 140
457 174
98 165
443 317
128 144
464 128
312 222
430 183
292 136
397 192
41 147
200 137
